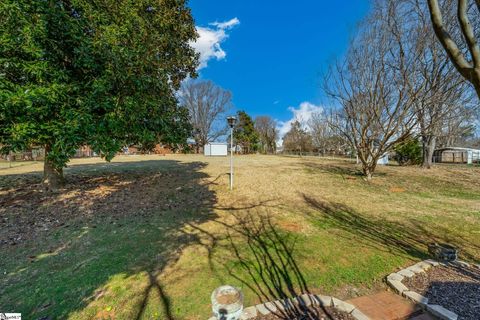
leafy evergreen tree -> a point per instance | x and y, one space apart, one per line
245 133
102 73
409 152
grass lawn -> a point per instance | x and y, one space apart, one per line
150 237
4 164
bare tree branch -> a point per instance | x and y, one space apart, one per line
470 72
266 128
207 105
467 31
376 86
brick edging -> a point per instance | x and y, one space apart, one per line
395 279
306 300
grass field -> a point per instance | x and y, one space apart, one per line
4 164
150 237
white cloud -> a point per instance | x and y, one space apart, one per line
226 24
209 42
303 114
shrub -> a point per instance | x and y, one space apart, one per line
408 152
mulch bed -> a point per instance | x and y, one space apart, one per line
312 313
454 288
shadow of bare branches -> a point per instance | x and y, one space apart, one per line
410 237
382 234
154 284
266 256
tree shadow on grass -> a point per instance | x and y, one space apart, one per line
468 249
379 233
264 262
347 169
410 238
107 235
155 285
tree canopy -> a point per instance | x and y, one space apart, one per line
102 73
245 133
267 133
207 104
297 139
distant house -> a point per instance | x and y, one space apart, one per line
162 149
35 153
456 155
136 149
383 160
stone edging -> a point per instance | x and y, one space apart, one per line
394 280
305 300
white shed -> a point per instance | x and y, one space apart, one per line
215 149
383 160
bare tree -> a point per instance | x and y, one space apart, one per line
267 131
324 136
458 129
207 104
445 96
297 139
375 86
467 63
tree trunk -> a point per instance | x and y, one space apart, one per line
368 176
428 144
52 175
368 169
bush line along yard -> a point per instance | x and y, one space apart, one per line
150 237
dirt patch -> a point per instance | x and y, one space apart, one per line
457 289
290 226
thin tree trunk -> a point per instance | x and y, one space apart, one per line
368 176
368 169
52 175
428 144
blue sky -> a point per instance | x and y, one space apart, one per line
270 54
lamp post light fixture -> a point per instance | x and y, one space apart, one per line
231 122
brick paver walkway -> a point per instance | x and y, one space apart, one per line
388 306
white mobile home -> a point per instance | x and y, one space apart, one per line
218 149
457 155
